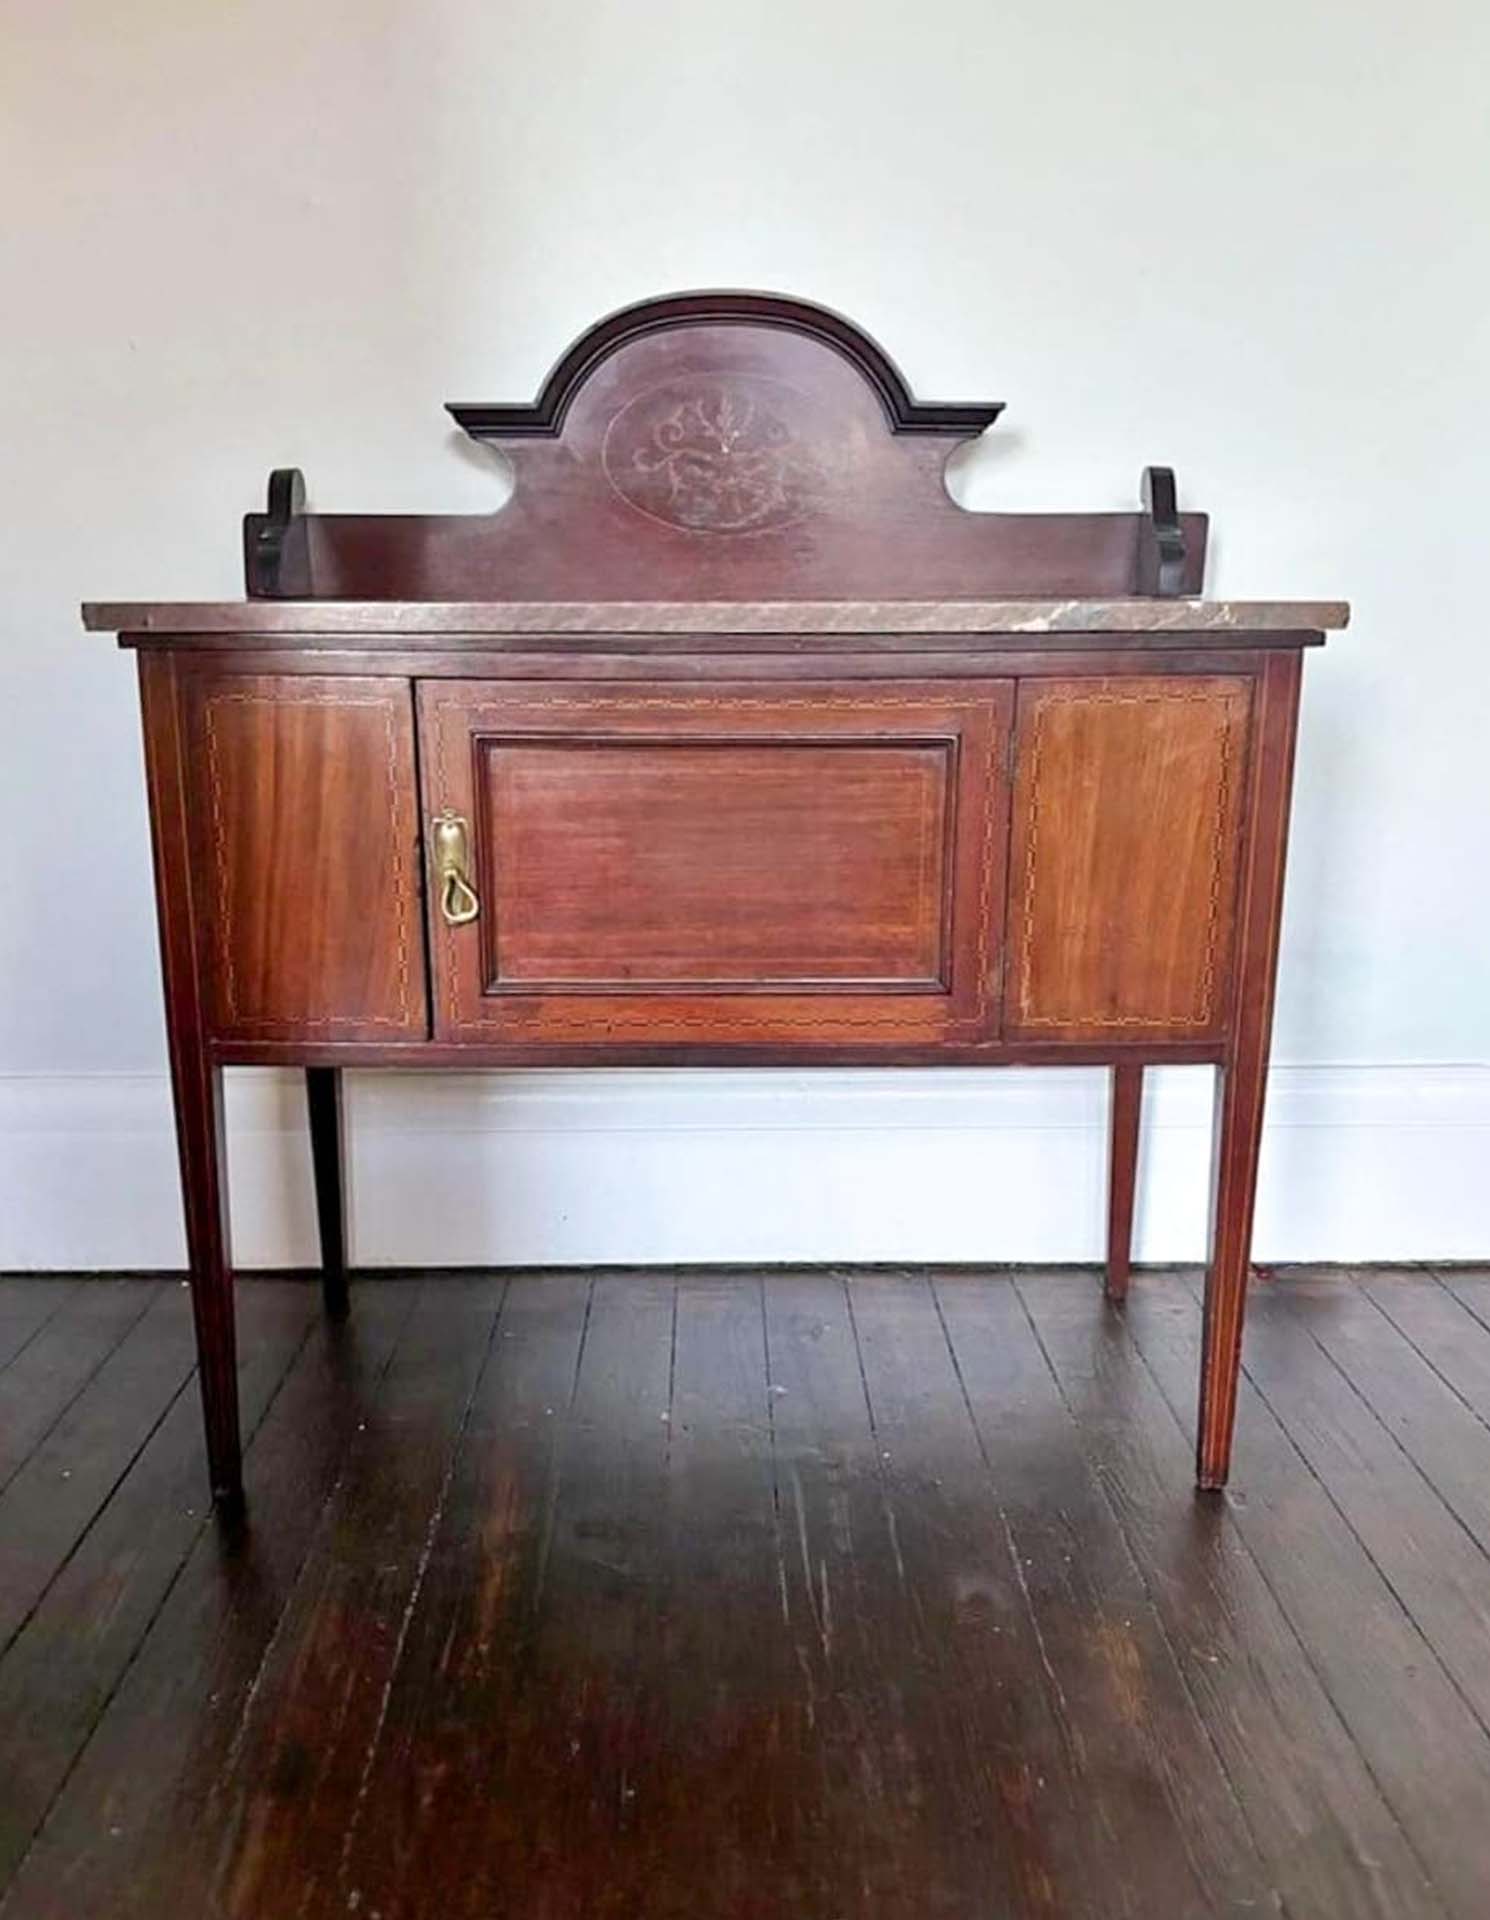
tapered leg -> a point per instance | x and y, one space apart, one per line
200 1137
196 1081
328 1159
1122 1176
1241 1081
1236 1143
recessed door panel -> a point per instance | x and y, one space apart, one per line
668 865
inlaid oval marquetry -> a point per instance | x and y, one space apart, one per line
715 454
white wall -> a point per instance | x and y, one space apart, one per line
1248 241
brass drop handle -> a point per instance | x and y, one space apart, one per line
458 900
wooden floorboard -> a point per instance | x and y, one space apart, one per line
461 1714
27 1303
125 1833
556 1812
290 1790
747 1730
1404 1713
52 1368
1009 1780
1330 1840
1470 1287
1441 1327
1399 1452
869 1594
871 1807
1157 1778
87 1623
53 1496
1138 1777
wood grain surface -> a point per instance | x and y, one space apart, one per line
717 711
1123 870
304 832
723 1594
794 866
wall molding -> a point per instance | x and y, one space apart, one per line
560 1167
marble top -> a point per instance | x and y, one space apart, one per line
415 619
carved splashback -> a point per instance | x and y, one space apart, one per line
721 446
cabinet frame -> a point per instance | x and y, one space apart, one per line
170 678
715 491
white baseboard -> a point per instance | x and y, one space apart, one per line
558 1168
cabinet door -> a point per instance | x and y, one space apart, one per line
670 866
305 842
1126 846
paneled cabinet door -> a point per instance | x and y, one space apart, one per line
670 865
1125 854
305 855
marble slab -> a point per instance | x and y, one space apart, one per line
412 619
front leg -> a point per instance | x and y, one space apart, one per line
329 1163
1237 1144
1241 1080
196 1081
202 1145
1122 1176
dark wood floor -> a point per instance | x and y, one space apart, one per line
824 1595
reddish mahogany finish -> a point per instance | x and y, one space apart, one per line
720 446
1242 1081
1122 1177
196 1077
685 866
761 750
304 836
1127 814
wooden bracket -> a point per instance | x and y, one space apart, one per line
276 547
1161 537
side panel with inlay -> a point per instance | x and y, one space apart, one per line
1125 847
304 830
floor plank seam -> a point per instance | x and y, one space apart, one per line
1104 1493
1381 1573
442 1496
1427 1358
40 1439
887 1505
556 1462
1411 1459
338 1479
98 1512
1197 1753
672 1379
1444 1276
148 1627
1060 1705
66 1292
1187 1433
779 1537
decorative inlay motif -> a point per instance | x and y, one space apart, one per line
714 454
